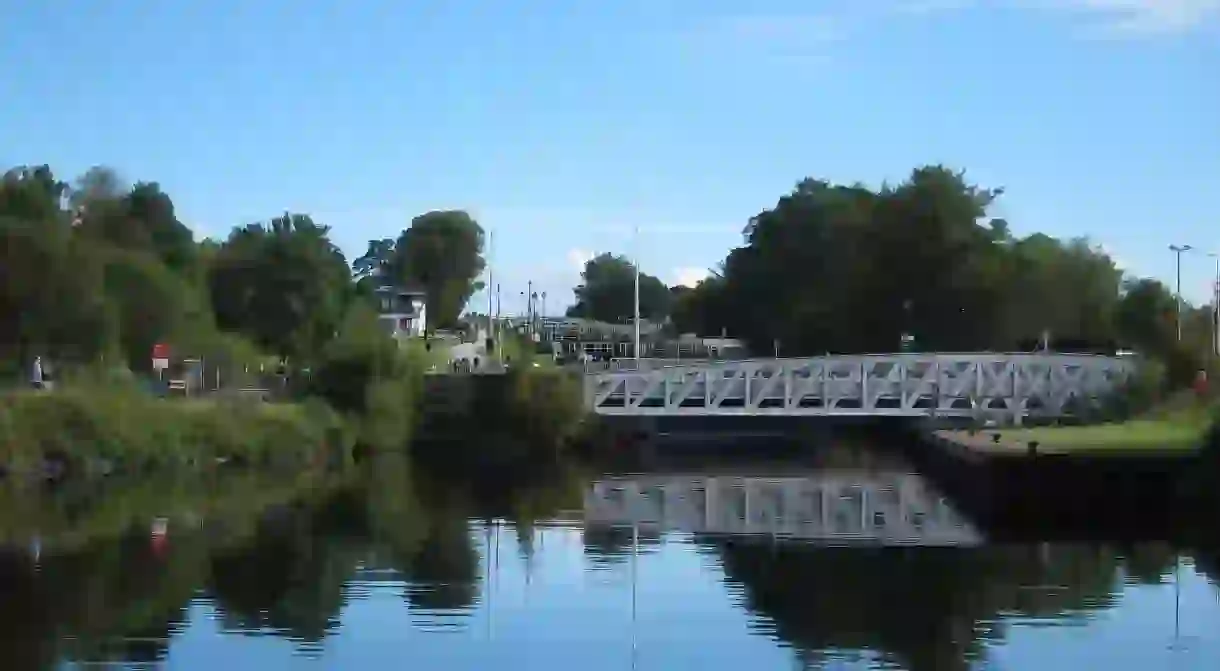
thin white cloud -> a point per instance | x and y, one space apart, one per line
1118 260
1137 17
577 258
689 277
1114 17
805 32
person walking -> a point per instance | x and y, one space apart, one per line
36 378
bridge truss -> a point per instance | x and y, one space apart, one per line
1010 386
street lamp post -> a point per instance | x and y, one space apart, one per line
636 243
1215 307
1178 250
542 317
491 277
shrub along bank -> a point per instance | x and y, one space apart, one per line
372 382
99 431
363 392
526 417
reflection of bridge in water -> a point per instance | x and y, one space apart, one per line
834 507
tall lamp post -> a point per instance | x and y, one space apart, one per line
635 242
1215 308
491 277
1178 250
542 316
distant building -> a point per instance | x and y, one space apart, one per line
691 345
572 336
403 313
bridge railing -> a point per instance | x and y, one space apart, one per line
644 365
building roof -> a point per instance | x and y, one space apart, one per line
401 291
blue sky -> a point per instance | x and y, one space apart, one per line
561 125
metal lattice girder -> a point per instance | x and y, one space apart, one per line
900 385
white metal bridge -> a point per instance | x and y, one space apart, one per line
978 385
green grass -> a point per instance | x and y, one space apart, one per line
1134 435
523 353
437 357
1179 423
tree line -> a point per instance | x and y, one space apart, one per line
98 268
845 268
101 269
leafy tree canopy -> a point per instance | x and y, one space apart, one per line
607 292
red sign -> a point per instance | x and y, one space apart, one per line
160 351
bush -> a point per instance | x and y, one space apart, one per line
88 430
364 375
547 404
521 352
1141 392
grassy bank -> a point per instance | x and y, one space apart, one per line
118 429
364 392
1182 424
1131 437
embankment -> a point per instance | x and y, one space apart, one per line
1075 494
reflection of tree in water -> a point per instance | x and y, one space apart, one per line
444 574
420 529
607 546
290 577
1207 562
439 557
107 602
928 608
1148 563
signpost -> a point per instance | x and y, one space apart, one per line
160 358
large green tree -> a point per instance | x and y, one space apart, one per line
699 309
142 219
607 292
49 302
283 283
848 268
440 252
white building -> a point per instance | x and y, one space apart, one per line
402 312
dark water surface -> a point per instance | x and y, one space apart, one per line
844 561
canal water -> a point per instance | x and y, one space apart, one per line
843 560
